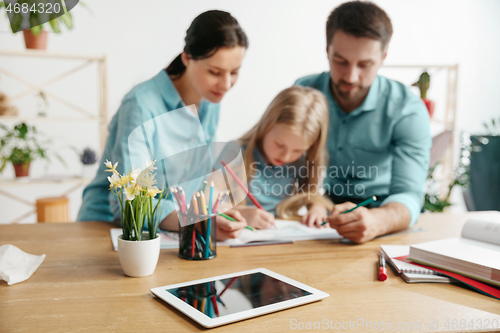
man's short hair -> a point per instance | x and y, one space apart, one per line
360 19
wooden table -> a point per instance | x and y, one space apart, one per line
80 286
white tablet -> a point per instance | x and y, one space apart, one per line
228 298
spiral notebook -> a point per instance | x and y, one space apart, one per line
409 272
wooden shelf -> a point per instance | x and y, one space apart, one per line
17 118
101 117
45 54
81 61
48 180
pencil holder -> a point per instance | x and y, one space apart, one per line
197 240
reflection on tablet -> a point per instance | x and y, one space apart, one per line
222 297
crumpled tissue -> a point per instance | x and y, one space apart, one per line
17 266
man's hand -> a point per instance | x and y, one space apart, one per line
255 217
363 224
315 216
229 229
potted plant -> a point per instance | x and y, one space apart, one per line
21 146
88 158
35 36
423 84
136 191
481 154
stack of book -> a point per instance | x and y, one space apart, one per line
473 258
410 272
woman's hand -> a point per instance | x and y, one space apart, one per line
255 217
229 229
315 216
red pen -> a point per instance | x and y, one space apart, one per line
382 270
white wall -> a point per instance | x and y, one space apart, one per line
287 41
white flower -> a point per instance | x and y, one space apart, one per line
133 175
146 180
114 181
150 166
153 191
124 180
112 168
131 191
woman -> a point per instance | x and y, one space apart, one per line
201 75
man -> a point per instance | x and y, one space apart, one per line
379 137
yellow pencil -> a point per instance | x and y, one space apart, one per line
203 204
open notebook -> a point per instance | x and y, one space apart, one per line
476 254
284 231
409 272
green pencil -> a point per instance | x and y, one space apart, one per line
234 220
361 204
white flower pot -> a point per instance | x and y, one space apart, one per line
89 171
139 258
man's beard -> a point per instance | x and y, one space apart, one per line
350 95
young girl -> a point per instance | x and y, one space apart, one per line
283 155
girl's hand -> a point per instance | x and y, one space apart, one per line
316 215
229 229
255 217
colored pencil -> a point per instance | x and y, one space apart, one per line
217 203
361 204
183 200
234 220
176 195
195 204
193 237
203 204
262 243
247 192
209 226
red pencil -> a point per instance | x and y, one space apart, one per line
255 202
217 203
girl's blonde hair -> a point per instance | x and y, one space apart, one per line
305 110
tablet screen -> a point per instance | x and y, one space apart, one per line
227 296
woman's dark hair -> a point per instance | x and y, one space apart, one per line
360 19
208 32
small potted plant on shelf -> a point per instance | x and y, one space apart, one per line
88 158
21 145
423 84
137 191
38 14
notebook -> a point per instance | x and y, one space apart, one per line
476 254
409 272
284 231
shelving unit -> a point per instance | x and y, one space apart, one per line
101 117
446 121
